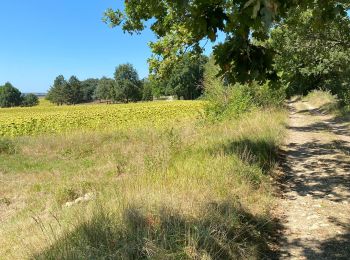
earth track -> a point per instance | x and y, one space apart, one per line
316 192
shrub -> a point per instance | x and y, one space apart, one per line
226 100
344 95
268 94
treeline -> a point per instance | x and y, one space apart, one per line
124 87
72 91
185 82
12 97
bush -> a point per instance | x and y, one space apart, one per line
30 100
267 95
231 101
227 100
344 95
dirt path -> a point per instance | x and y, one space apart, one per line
316 201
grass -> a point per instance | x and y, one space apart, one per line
323 100
184 191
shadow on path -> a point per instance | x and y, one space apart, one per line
316 195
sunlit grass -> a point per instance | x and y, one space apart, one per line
323 100
187 191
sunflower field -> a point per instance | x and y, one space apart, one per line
63 119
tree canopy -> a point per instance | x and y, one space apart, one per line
181 26
10 96
88 88
310 56
29 100
128 86
105 89
72 91
186 79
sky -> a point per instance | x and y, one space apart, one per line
42 39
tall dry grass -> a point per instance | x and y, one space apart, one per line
323 100
192 191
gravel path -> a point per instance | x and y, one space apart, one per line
316 197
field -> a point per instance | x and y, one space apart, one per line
154 188
47 118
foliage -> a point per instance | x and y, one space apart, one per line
147 90
88 88
39 120
75 94
125 86
10 96
186 79
63 92
158 86
57 93
104 90
180 26
227 100
30 100
313 57
269 94
128 87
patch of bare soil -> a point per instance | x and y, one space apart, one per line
316 194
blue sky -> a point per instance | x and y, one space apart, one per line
41 39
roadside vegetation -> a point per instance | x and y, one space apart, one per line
324 101
327 103
189 191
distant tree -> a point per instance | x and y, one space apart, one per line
74 91
147 90
186 80
88 88
58 92
128 86
63 92
159 86
30 100
10 96
105 89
